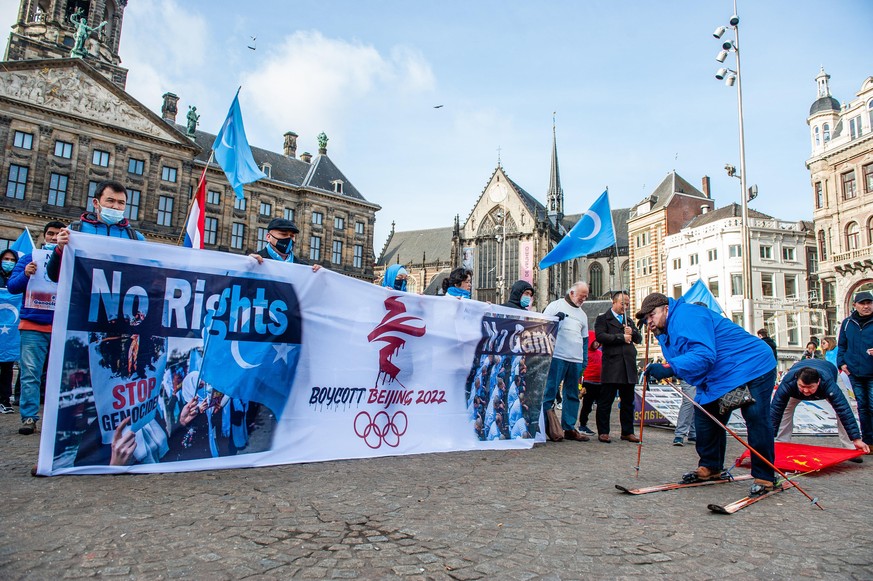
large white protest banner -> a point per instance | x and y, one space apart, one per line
170 359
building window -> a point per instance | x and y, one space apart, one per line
317 218
100 157
63 149
712 254
262 237
713 286
737 318
339 223
793 331
767 252
168 174
788 254
239 204
819 195
736 285
595 280
289 214
131 209
826 132
817 137
790 286
855 127
265 209
237 235
338 187
23 140
867 170
165 211
822 245
336 256
210 230
735 251
767 284
57 189
677 263
677 291
358 259
693 260
869 232
848 181
359 226
643 239
92 189
314 248
853 236
213 197
625 274
267 169
16 184
135 166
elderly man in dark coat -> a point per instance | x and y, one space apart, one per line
615 330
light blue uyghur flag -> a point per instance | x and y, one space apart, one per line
698 293
24 244
592 233
232 151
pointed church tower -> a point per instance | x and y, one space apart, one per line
47 29
555 196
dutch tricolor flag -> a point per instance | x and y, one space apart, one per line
196 216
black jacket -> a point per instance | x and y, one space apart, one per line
619 358
263 252
515 293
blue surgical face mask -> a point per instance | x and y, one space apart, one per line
525 301
49 246
111 216
7 266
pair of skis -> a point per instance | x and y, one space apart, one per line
720 509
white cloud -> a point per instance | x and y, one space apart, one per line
164 47
312 83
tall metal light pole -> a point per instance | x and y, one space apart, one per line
730 76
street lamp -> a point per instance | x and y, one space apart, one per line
730 77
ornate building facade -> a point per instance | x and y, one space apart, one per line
841 175
66 124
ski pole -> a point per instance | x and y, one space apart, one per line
744 443
643 406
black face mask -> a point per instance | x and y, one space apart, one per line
284 245
398 284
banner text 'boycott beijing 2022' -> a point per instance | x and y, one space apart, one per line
147 300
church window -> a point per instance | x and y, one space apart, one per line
595 279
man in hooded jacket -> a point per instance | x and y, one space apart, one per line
520 295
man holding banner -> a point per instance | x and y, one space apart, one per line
29 278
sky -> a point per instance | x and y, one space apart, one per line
630 85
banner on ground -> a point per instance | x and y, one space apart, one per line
204 360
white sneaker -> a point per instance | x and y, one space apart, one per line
5 409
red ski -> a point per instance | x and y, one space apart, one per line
676 485
743 502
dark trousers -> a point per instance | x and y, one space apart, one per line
626 411
592 394
6 382
712 438
863 388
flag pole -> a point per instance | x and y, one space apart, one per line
194 197
615 265
643 405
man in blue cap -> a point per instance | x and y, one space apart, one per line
855 358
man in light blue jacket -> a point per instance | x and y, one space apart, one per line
717 356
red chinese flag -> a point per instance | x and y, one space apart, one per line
804 458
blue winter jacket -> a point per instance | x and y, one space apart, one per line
18 285
711 352
89 223
856 336
827 389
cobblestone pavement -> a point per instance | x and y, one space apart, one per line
547 513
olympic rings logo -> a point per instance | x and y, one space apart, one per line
381 428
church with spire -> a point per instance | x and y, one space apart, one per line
503 238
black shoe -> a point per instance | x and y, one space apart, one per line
856 460
28 427
762 487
